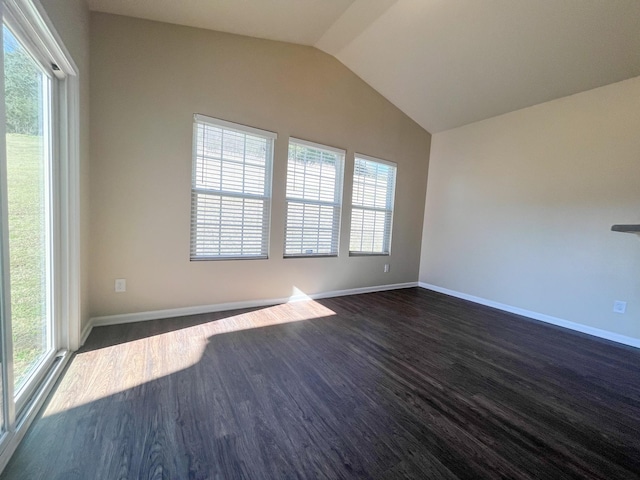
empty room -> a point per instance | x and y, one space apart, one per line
273 239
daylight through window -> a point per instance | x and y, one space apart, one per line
374 184
231 190
314 196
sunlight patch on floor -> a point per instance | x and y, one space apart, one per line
296 311
115 369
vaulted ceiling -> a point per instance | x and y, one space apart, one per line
445 63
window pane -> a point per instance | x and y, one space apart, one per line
314 191
371 217
312 174
228 226
368 231
311 229
27 97
231 192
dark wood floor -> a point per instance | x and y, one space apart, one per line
402 384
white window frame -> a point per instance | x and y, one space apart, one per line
30 23
199 119
336 204
388 210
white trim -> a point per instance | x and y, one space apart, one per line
318 146
70 198
30 18
86 331
217 122
375 159
34 20
39 35
24 395
30 413
220 307
68 153
578 327
6 337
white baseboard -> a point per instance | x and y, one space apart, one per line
578 327
86 331
220 307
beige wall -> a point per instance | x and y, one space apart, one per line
71 20
519 208
147 81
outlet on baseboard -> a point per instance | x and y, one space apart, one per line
619 306
121 285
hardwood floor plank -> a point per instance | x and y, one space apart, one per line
399 384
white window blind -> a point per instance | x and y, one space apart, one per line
374 183
231 190
314 197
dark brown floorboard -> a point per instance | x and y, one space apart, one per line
401 384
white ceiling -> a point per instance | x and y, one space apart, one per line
295 21
445 63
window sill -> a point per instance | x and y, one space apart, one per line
311 256
217 259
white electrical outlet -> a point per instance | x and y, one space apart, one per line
121 285
387 267
619 306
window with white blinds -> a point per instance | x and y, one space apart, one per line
314 198
231 190
374 183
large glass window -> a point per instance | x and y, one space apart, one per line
27 101
314 199
231 190
39 215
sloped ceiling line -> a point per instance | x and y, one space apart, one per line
445 63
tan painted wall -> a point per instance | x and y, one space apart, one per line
147 81
71 21
519 208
